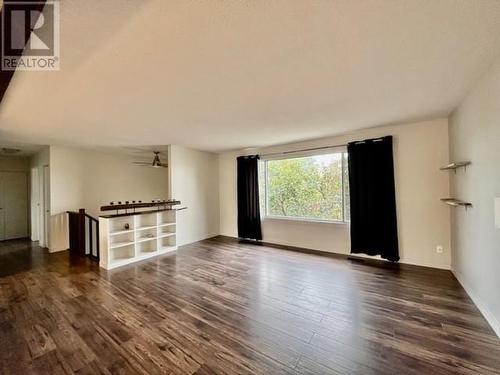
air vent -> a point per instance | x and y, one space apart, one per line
10 151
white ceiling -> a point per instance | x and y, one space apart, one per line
218 75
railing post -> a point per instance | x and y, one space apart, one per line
81 231
72 234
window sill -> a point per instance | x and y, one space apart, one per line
305 220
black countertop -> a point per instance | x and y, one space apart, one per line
141 212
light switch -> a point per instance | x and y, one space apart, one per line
497 213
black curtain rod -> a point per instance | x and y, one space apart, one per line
303 150
319 148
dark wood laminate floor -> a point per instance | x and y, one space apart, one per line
219 307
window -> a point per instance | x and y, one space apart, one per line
305 187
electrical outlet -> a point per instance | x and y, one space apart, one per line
439 249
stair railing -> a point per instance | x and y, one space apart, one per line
83 234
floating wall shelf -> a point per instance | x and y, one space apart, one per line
456 202
456 165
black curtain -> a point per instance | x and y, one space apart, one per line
248 198
374 229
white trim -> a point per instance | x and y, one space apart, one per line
45 213
305 220
446 267
485 311
35 204
410 262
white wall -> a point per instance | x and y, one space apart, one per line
88 179
194 180
424 222
475 136
66 179
41 158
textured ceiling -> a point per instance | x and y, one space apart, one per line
218 75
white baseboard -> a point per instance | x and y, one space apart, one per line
446 267
487 314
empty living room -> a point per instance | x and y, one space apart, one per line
250 187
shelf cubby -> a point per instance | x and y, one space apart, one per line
166 217
119 225
167 244
146 221
146 234
147 247
166 230
121 239
123 252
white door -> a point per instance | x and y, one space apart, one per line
35 204
14 191
46 206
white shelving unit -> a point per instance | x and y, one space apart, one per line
126 239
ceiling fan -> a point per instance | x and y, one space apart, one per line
156 162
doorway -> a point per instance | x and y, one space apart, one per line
35 204
40 204
13 205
